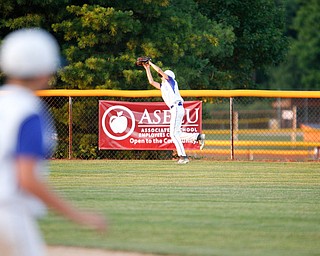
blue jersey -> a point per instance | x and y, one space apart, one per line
25 131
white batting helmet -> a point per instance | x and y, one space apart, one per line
170 73
29 53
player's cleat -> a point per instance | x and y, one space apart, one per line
201 138
183 160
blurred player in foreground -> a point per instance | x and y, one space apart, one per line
171 96
28 58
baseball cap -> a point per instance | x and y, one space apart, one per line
170 73
27 53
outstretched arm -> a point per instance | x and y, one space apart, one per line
149 75
159 70
30 183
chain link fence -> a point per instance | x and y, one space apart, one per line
236 128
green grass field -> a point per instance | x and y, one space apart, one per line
203 208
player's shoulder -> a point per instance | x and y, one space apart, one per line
171 81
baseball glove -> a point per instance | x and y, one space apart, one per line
142 60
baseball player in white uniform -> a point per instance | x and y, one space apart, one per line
28 58
171 96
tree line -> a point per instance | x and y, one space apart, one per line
210 44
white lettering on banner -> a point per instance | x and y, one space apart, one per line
189 129
137 141
157 141
151 135
156 112
188 115
146 117
167 140
166 116
155 129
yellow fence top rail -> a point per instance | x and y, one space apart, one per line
184 93
99 93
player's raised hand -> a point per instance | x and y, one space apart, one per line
146 65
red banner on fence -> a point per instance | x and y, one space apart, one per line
144 125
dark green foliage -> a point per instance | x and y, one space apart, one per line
258 26
306 49
301 69
95 48
210 44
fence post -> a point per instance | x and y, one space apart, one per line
294 124
231 130
70 127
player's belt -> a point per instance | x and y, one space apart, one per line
179 103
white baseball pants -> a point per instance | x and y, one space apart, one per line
177 113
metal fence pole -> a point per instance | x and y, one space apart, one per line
70 127
231 130
294 124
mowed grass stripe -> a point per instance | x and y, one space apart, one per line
204 208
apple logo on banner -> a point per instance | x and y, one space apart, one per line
118 122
